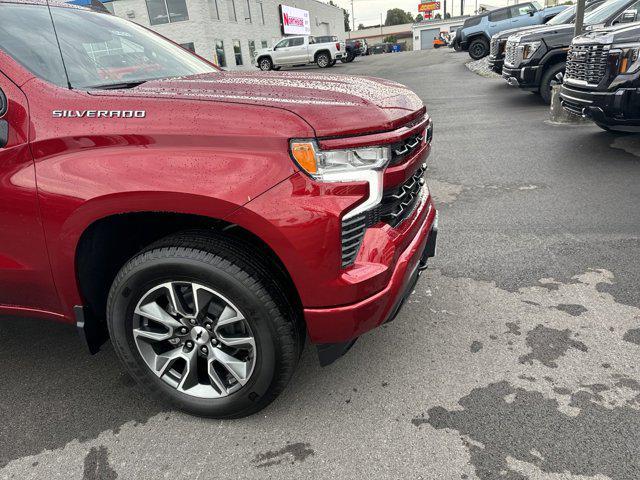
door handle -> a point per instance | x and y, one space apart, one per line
4 133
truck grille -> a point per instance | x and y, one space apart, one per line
397 205
401 151
587 63
511 54
495 46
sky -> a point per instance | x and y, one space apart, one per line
368 11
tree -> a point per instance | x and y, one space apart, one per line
438 16
397 16
390 39
361 26
419 18
447 15
347 22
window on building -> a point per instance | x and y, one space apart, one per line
231 6
189 46
215 9
167 11
265 44
261 10
219 58
247 11
237 51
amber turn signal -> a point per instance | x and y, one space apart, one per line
305 154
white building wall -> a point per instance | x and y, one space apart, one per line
203 27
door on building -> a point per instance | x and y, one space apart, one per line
427 36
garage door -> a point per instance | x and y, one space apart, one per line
426 38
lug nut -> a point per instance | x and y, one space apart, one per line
204 350
208 326
189 344
184 330
214 342
192 321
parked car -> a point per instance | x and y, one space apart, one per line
476 32
360 45
381 48
499 41
536 60
601 80
356 48
299 51
344 47
205 221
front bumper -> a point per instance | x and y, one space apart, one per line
620 108
496 64
343 324
522 77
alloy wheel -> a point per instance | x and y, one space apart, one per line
194 339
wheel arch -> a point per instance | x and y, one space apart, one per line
109 242
319 52
476 35
551 58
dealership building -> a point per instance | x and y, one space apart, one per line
227 32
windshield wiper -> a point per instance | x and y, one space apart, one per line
118 86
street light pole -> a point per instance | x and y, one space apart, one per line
580 7
353 20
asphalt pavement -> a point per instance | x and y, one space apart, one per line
515 358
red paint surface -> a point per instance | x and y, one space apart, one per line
213 145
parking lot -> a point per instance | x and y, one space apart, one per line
515 358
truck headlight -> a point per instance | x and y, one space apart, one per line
529 48
332 165
628 56
353 165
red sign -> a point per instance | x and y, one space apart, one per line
428 6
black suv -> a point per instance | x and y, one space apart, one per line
603 77
499 40
535 60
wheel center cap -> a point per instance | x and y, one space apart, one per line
200 336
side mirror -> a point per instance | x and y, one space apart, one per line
531 13
628 17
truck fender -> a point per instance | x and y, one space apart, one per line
551 58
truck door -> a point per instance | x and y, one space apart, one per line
299 50
498 21
25 273
521 17
26 37
281 52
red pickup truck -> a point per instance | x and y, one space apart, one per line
205 221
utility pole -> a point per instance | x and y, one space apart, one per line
353 20
462 8
580 6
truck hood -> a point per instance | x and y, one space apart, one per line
625 33
334 105
547 32
514 31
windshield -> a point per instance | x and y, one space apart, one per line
604 11
563 17
98 50
536 5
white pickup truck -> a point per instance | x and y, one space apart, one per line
304 50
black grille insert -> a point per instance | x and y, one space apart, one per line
397 205
587 63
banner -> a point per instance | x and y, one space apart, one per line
295 21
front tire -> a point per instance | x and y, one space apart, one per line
479 48
265 64
552 76
203 327
323 60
